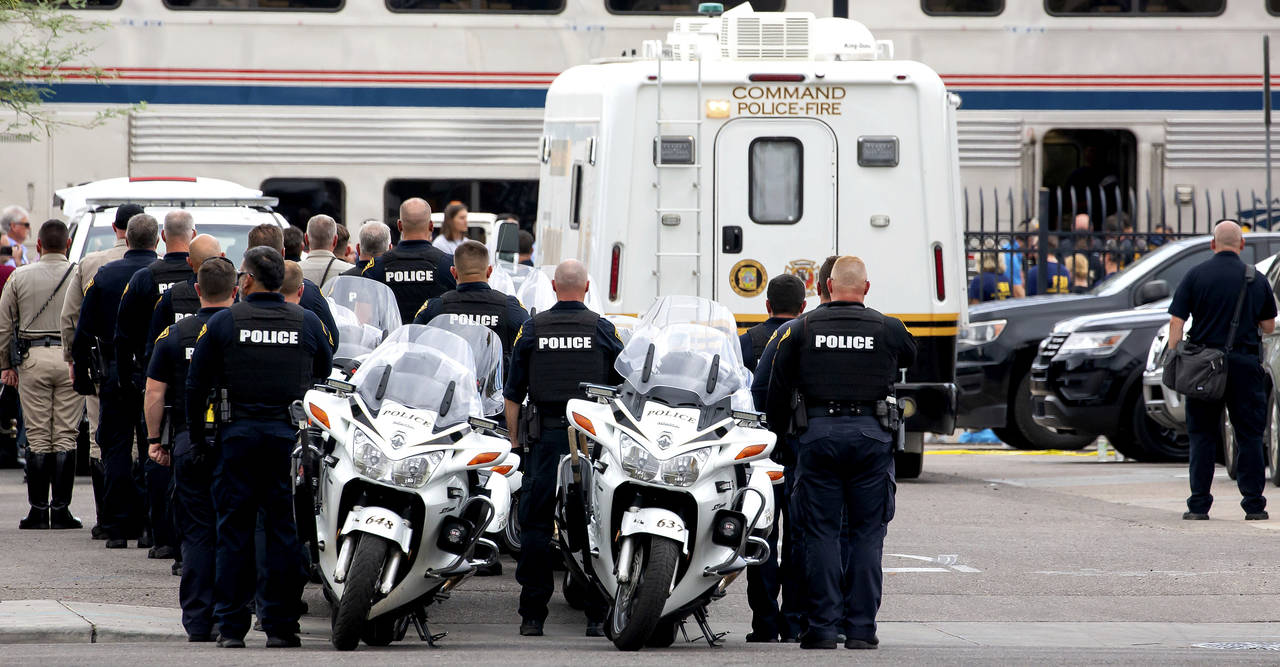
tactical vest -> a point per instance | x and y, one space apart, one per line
413 277
845 356
565 354
484 307
759 335
184 300
266 366
186 331
166 274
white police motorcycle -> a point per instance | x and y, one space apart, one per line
401 513
660 505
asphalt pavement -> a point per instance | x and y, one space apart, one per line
995 557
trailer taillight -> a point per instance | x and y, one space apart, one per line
939 283
615 263
776 78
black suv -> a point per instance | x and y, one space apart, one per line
996 350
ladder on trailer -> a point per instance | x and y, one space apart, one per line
662 212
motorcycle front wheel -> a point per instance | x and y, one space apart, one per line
637 607
357 596
511 532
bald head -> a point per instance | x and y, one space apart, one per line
203 247
571 281
415 219
848 280
1227 235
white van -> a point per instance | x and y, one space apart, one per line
753 144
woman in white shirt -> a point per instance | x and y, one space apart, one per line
453 231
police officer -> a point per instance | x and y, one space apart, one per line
169 444
841 362
181 300
784 300
29 311
132 327
375 239
80 277
414 270
554 352
1209 293
94 348
271 236
263 353
474 302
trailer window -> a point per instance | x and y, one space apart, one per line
684 8
486 6
775 171
1273 6
962 7
1135 7
575 204
257 5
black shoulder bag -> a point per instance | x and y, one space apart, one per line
19 347
1198 371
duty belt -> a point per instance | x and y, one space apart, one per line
44 341
838 409
555 422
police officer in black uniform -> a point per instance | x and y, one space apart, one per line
132 326
272 236
170 445
263 354
831 377
474 302
1209 293
784 300
181 300
554 352
94 348
414 270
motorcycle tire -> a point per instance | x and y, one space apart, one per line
511 532
357 596
1230 452
637 609
381 631
664 634
574 591
304 510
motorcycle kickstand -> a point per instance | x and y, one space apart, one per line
713 639
419 619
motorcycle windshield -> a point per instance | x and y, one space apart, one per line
537 295
669 310
625 325
424 368
501 280
695 358
486 352
355 339
372 302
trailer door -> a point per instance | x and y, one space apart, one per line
775 211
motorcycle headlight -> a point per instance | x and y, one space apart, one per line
413 472
368 458
1093 343
979 333
683 470
637 461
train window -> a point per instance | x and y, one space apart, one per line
686 7
775 176
1273 6
517 197
962 7
1135 7
464 6
301 198
257 5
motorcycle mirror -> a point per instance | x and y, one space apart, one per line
382 384
447 401
648 364
714 374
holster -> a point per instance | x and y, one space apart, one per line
97 366
799 415
890 417
18 350
530 426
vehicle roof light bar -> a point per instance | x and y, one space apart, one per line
183 202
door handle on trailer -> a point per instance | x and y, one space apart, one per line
731 239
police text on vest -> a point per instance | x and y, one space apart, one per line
409 276
482 320
564 343
268 337
844 342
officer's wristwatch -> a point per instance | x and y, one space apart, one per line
154 441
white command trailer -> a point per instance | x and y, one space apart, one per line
750 145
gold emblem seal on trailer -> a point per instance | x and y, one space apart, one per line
807 271
747 278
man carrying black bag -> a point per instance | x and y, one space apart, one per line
1229 304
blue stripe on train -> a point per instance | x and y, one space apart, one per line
533 98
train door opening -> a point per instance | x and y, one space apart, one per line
517 197
301 198
1092 171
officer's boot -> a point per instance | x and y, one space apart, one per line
38 467
98 476
64 480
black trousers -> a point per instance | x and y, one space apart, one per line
116 435
534 571
844 465
197 524
1246 403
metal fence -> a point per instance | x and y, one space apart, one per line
1005 230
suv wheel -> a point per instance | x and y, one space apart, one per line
1025 433
1272 441
1142 439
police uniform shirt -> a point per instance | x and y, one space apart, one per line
133 324
102 304
412 286
176 303
505 317
313 300
80 277
1207 295
526 344
171 353
26 292
854 350
756 338
1058 280
357 269
989 287
764 367
216 340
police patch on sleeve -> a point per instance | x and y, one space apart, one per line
203 329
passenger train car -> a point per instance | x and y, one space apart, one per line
350 106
